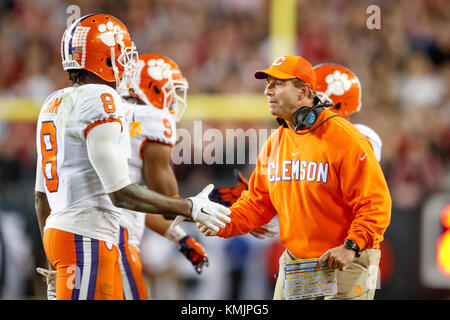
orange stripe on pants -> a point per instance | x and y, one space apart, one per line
86 268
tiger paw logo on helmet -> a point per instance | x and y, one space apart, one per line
340 86
158 69
108 33
338 83
101 44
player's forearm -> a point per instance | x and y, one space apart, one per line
159 177
137 198
158 174
158 223
42 209
161 180
164 182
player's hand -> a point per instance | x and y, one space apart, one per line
208 213
194 252
337 258
228 196
206 231
50 278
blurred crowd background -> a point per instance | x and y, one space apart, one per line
404 69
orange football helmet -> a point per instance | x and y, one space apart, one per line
101 44
340 86
162 84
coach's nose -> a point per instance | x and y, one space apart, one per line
268 91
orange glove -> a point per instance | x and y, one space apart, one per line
194 252
227 196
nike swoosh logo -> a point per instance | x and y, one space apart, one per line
295 153
363 157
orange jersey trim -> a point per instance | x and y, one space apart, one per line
96 123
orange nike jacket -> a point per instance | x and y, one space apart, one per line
326 186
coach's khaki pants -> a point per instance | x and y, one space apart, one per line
357 282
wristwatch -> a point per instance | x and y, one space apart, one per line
350 244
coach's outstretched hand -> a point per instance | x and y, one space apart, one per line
208 213
206 231
227 196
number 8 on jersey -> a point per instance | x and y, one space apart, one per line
49 150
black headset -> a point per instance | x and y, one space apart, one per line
305 117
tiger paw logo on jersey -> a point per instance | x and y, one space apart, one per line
108 33
158 69
135 129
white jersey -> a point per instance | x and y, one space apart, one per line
78 201
374 138
146 123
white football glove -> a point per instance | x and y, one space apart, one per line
206 212
50 278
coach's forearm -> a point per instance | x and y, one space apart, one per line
138 198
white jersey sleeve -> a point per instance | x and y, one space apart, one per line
103 144
96 106
373 137
157 124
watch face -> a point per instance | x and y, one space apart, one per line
350 244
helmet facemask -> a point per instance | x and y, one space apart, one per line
175 97
325 99
128 60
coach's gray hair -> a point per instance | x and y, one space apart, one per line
300 83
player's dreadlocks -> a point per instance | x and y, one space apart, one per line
77 76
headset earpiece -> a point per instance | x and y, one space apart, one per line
305 117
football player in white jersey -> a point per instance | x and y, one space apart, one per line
82 179
159 102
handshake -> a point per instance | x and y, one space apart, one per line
210 214
210 209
